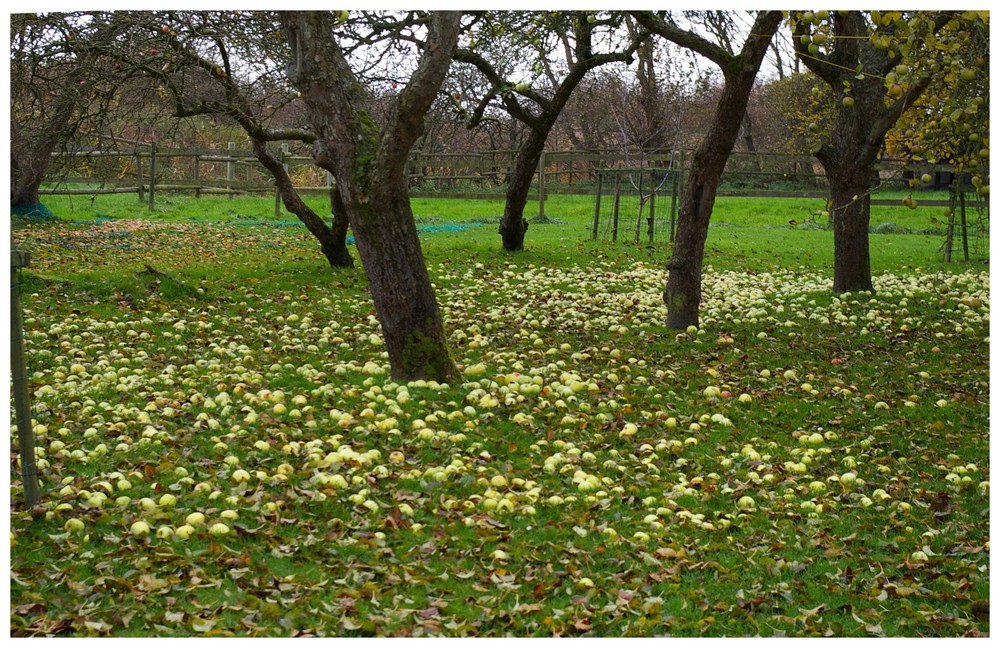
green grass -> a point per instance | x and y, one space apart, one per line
896 384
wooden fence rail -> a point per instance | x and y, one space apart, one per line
150 168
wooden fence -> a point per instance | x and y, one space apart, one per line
147 170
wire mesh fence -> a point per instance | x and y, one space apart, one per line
635 205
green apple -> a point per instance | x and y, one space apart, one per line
219 529
73 524
139 528
184 531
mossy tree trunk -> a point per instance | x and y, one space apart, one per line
368 162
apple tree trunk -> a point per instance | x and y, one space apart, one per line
857 137
368 163
386 238
332 239
850 213
682 293
514 225
30 153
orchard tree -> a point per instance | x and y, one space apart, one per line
682 293
564 46
646 107
877 65
368 162
224 63
55 92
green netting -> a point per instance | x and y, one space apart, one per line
33 213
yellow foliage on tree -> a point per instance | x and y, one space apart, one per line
949 124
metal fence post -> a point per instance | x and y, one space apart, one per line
652 207
22 402
541 185
597 208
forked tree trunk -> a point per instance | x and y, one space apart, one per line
513 224
858 135
368 163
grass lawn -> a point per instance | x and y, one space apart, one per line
222 452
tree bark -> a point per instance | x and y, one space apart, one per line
513 224
332 240
30 156
367 163
401 289
851 212
682 293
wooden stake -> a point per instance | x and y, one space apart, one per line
19 376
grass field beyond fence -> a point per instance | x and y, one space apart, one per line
223 453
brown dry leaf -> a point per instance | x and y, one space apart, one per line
429 613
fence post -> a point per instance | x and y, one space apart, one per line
638 216
616 204
652 207
197 176
138 175
541 185
965 230
19 379
678 185
231 168
277 194
597 207
152 173
950 231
